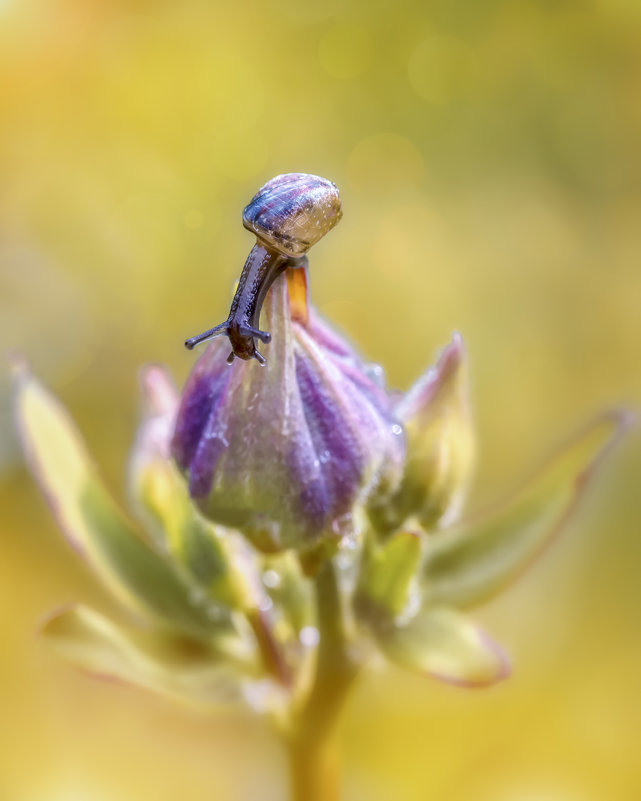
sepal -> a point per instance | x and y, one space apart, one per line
165 663
387 572
445 645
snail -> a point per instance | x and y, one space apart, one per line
288 215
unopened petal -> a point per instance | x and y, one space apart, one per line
440 447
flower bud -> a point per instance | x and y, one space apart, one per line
285 452
436 418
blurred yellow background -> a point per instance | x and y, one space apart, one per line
489 157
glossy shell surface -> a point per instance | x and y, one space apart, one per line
293 211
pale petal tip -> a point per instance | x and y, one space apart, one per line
49 618
451 357
159 395
18 365
438 380
501 670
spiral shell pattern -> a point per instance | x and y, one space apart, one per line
293 211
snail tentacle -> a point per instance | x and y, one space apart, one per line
217 331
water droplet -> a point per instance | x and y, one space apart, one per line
271 579
266 604
343 526
325 457
376 373
344 560
397 430
214 611
412 607
197 596
309 636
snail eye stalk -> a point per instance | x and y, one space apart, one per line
217 331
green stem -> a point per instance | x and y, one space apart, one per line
313 750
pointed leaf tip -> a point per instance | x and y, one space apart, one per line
473 561
159 394
167 664
447 646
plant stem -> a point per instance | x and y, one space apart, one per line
313 751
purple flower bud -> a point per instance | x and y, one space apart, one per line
285 452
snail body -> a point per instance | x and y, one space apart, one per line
288 215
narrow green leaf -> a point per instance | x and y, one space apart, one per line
92 522
444 644
468 564
174 666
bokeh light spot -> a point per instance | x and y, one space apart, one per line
442 69
345 51
239 156
193 218
385 162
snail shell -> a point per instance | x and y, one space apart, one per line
293 211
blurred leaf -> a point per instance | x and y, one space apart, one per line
469 564
386 575
168 664
447 646
91 520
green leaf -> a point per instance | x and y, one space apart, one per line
93 524
468 564
174 666
443 644
386 575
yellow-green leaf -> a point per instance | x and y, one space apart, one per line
444 644
386 575
174 666
92 522
468 564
